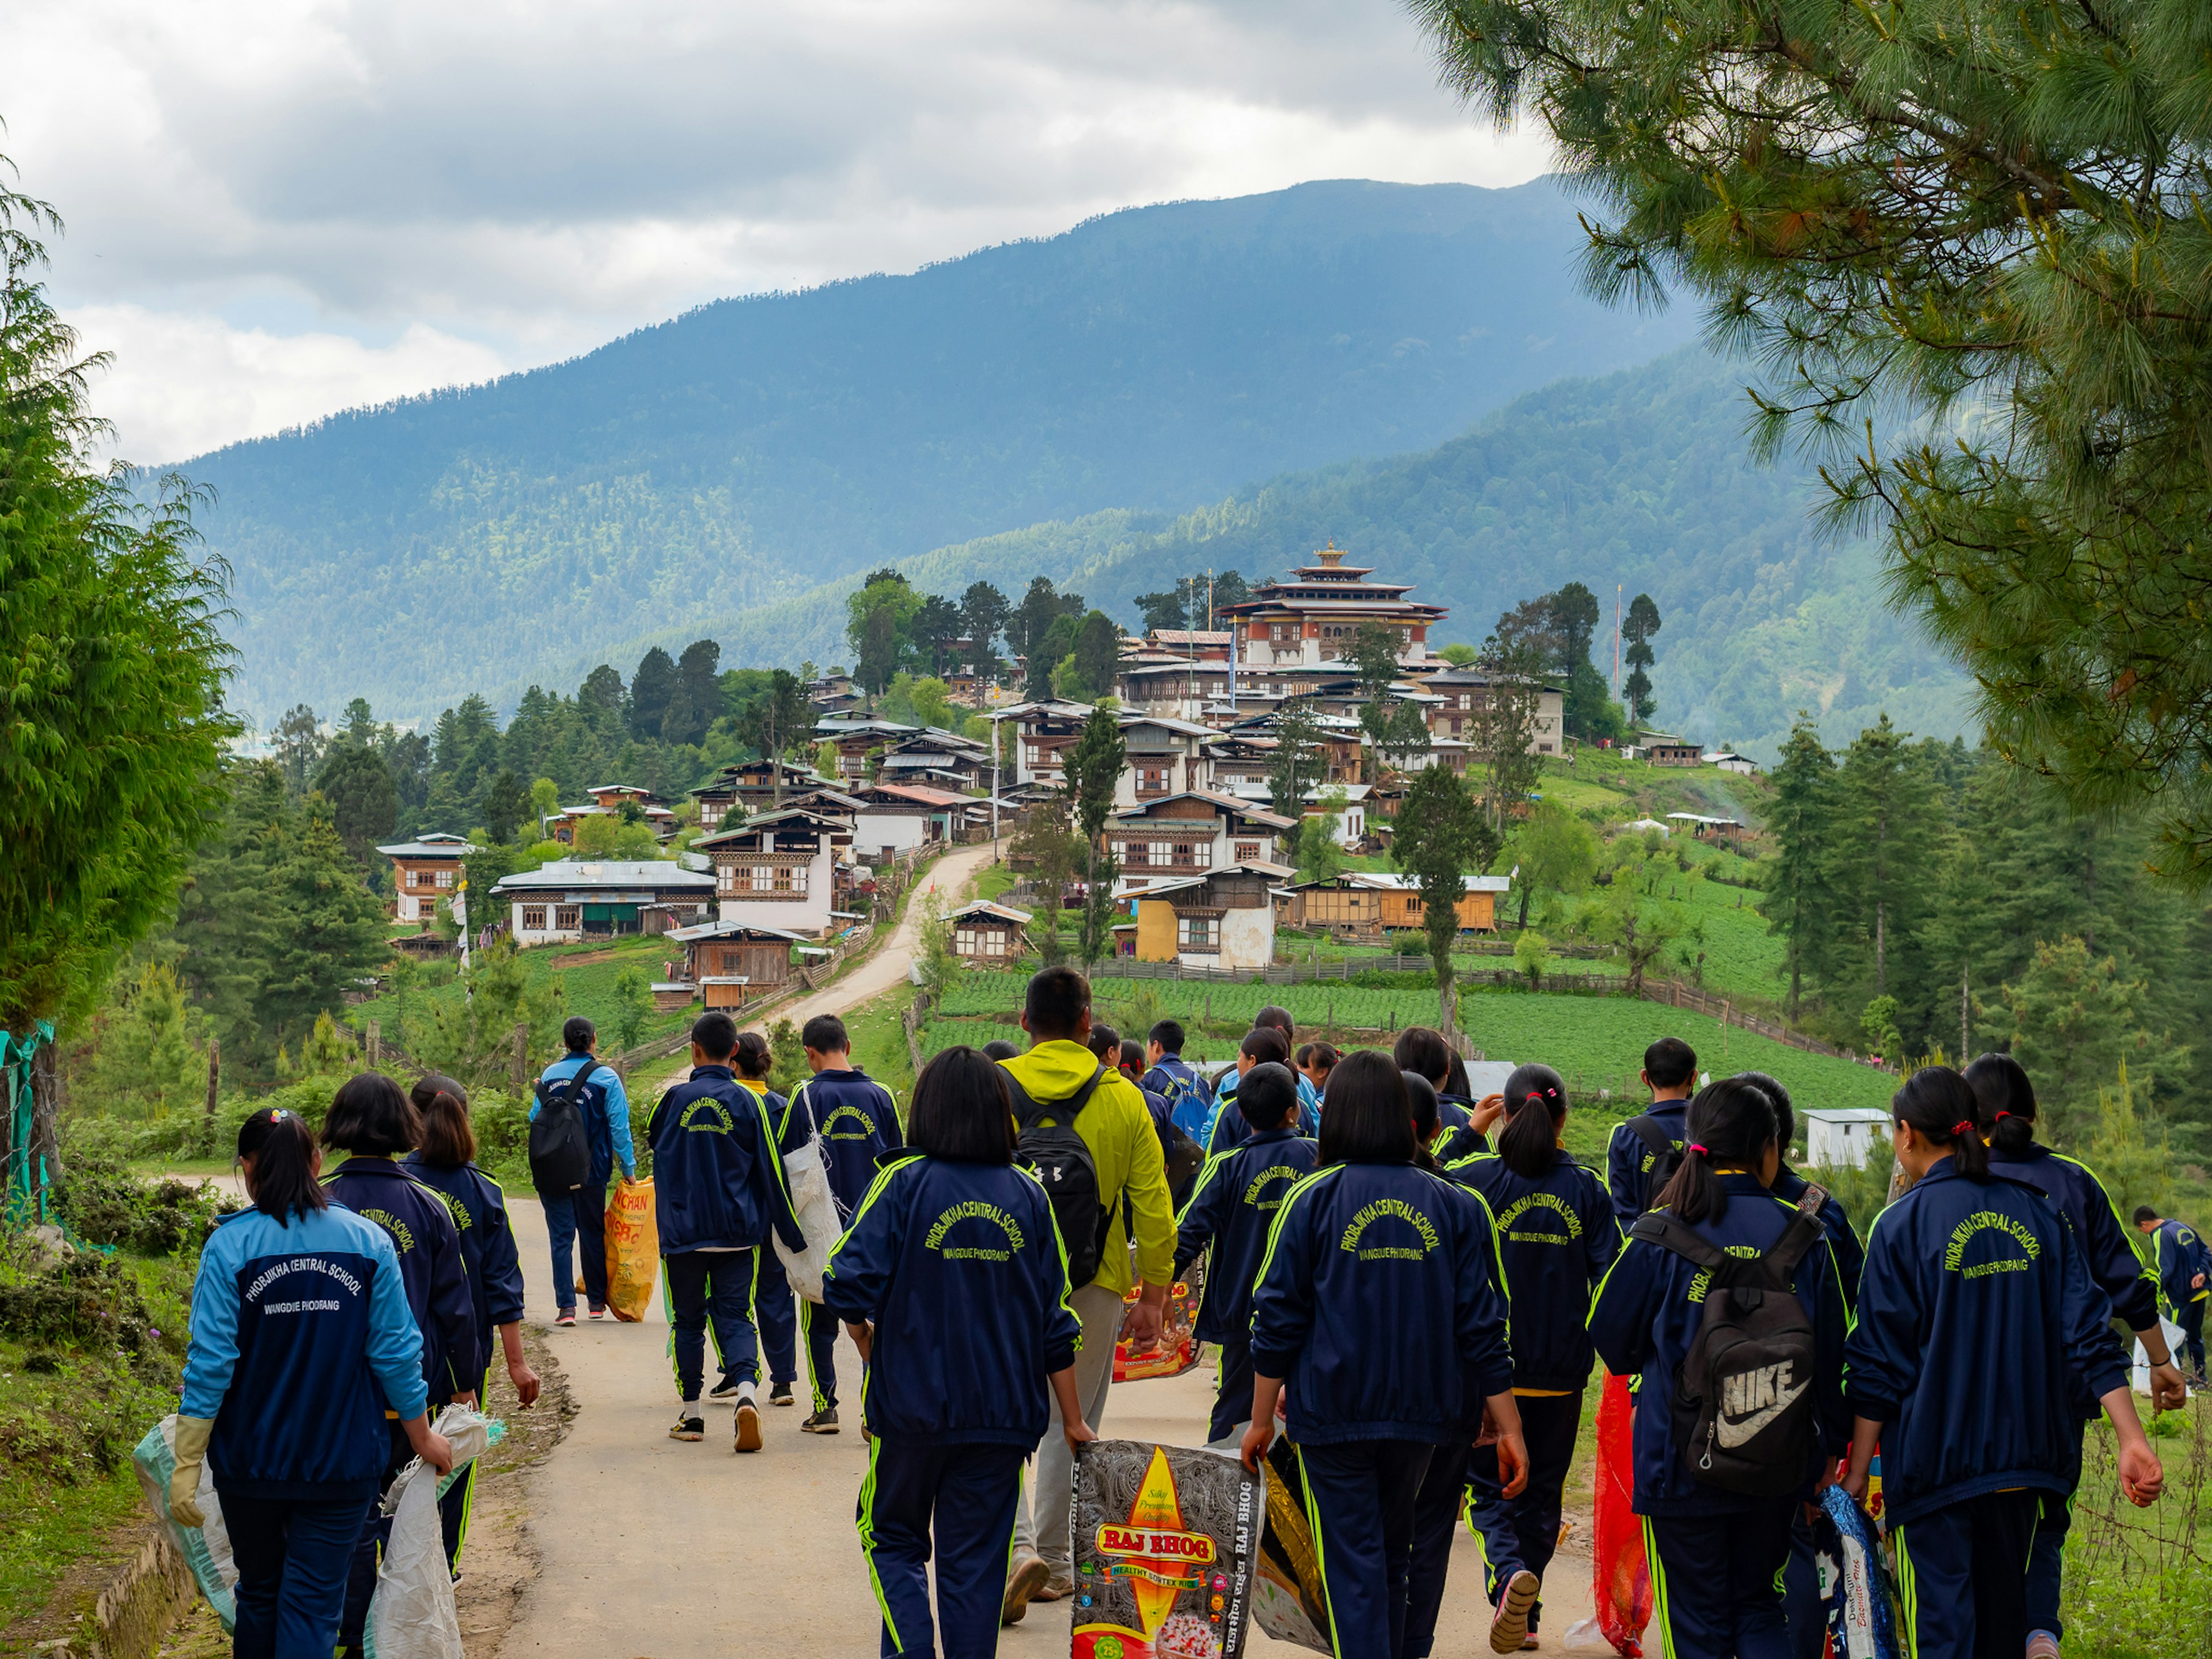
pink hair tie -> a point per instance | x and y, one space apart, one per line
1699 1150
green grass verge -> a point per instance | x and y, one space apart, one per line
586 974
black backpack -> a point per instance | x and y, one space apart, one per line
1743 1397
1665 1155
1062 1160
1184 1159
559 1147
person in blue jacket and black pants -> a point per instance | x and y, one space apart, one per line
1463 1124
301 1340
1717 1555
953 1282
718 1190
2184 1269
858 1122
576 1222
1557 1237
1232 1206
1377 1303
2004 1115
1978 1335
1635 1168
445 1160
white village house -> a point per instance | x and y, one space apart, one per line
566 901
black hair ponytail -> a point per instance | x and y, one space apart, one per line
1424 1115
754 1062
1730 1121
2004 1103
283 1155
1535 1107
1940 1104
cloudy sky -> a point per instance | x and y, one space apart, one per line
278 208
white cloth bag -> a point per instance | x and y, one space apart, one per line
812 1201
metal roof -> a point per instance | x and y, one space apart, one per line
430 846
568 873
723 929
986 907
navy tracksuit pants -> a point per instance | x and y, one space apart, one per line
1520 1534
1801 1593
962 1498
1962 1575
819 1326
293 1557
1436 1518
1232 1399
1715 1581
2190 1315
1360 1500
716 1286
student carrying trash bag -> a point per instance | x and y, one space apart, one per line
300 1333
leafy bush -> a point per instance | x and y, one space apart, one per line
106 1204
88 1301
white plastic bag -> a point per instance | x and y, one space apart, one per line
2140 1375
411 1615
206 1548
817 1209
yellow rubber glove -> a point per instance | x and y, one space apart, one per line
192 1434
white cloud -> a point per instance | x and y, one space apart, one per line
452 186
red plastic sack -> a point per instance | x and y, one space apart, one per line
1622 1586
1178 1349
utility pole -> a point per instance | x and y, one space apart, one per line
1965 1010
1616 641
214 1084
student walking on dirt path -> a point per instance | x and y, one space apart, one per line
1643 1152
858 1122
578 1218
775 1315
296 1484
445 1160
1059 1086
718 1191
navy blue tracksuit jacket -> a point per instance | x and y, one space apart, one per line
1232 1206
1628 1160
858 1122
1373 1259
2180 1255
717 1174
961 1268
1979 1341
2076 1194
432 1268
1456 1139
1842 1242
1647 1314
1556 1237
477 1204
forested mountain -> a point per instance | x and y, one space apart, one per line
1152 360
1638 478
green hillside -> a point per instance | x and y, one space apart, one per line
1638 478
1152 360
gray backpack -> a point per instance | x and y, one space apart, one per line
1743 1397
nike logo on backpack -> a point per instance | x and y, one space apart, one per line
1752 1400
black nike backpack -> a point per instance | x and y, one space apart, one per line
1062 1160
560 1148
1743 1396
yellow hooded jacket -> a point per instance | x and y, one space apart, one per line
1124 1146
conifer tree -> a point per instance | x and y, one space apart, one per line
1800 899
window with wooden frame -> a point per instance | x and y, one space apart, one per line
1247 851
568 918
1153 780
1197 933
445 878
533 918
1186 855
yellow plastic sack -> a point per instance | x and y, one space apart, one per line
633 1250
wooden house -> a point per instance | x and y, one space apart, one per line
425 873
751 787
1187 835
1222 918
1663 750
855 737
736 963
609 800
987 935
1458 701
1044 732
934 758
1166 756
1366 903
569 900
778 869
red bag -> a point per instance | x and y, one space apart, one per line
1622 1587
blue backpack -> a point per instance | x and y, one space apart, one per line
1190 1102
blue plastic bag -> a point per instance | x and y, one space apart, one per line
1856 1583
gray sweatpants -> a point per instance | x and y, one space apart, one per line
1041 1519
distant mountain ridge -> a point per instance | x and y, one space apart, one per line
670 482
1639 478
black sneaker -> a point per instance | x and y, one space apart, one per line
823 1422
723 1389
779 1394
687 1428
